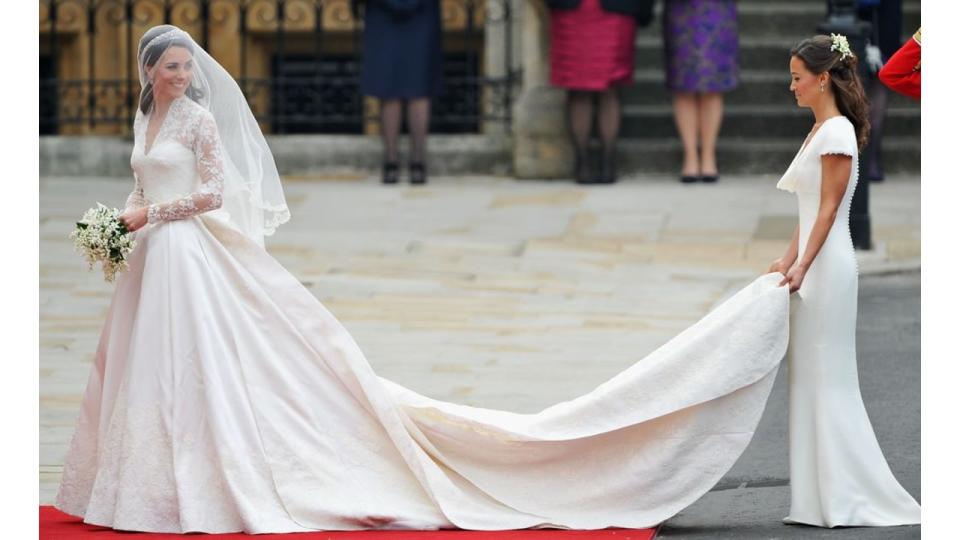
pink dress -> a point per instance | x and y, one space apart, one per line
591 49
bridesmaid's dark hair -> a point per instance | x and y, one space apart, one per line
153 56
816 55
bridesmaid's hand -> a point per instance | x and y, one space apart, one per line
794 278
134 219
780 266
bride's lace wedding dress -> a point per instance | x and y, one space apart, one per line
224 397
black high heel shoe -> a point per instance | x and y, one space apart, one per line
689 178
418 173
581 169
391 173
710 178
608 170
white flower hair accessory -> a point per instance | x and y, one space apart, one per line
841 45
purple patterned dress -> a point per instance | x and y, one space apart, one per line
700 44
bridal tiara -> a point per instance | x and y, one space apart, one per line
162 38
841 45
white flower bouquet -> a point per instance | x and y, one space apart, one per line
101 237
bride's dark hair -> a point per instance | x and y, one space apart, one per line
816 55
153 56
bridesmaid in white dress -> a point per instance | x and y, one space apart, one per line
838 475
223 396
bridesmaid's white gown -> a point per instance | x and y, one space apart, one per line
838 475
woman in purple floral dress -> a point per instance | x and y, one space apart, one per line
702 62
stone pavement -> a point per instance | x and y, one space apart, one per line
480 290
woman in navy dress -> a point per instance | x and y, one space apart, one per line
402 61
702 62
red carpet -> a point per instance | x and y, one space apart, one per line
55 525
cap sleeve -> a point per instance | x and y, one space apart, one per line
840 138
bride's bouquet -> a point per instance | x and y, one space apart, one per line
101 237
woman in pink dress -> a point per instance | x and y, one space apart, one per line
591 55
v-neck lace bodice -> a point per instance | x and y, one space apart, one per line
182 174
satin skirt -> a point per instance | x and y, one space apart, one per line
224 397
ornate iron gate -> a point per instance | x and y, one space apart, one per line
298 61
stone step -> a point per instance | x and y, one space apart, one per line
748 155
351 157
771 53
656 121
795 20
756 88
320 155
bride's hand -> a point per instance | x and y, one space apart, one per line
134 219
794 278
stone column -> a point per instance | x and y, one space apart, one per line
494 61
542 147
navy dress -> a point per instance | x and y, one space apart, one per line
402 55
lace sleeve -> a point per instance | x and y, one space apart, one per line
209 156
135 199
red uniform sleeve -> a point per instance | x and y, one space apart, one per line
902 72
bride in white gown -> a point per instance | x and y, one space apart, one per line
838 475
224 397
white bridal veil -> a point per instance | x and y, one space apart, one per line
253 196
